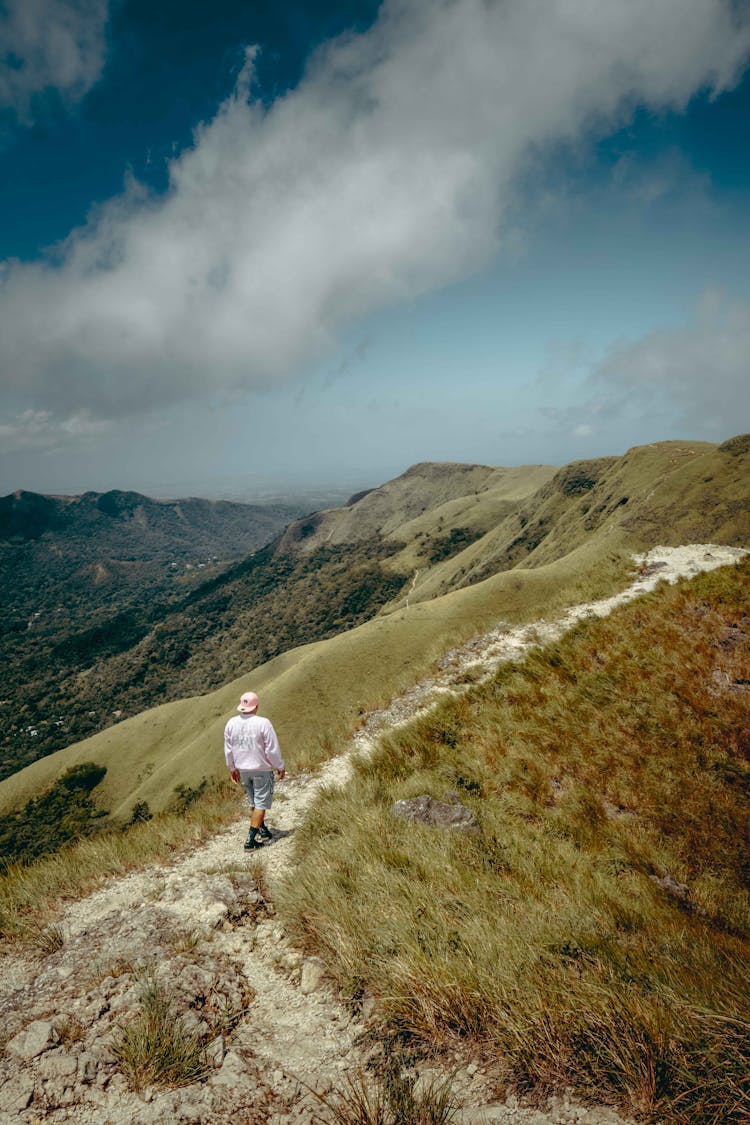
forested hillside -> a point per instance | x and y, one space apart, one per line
86 576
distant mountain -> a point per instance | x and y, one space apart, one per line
138 527
666 493
85 575
373 592
435 493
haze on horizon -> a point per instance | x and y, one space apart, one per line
316 243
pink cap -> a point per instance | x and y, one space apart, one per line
248 702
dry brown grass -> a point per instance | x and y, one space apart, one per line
612 760
30 896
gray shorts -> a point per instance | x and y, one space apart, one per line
259 787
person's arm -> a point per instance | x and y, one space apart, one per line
229 754
272 749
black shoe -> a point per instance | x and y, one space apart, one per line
252 841
265 833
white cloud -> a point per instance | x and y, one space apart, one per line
383 176
41 428
49 43
699 371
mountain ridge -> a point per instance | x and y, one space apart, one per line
449 577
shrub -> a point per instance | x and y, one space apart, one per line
141 813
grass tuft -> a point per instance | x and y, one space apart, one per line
44 939
397 1098
71 1031
156 1048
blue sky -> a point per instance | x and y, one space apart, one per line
317 243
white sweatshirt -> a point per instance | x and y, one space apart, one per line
250 743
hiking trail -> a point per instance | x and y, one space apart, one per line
203 927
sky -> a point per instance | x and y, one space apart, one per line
250 244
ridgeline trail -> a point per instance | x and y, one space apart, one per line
204 930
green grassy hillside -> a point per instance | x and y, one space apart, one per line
316 694
437 493
666 493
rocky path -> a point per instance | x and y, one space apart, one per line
204 931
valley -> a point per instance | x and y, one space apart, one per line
84 578
384 584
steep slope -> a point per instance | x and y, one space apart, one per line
670 492
315 694
425 496
593 930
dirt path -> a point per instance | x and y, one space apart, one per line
202 929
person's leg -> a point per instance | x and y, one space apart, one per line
263 802
249 785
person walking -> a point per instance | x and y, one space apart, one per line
252 753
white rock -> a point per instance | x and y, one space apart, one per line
16 1094
233 1070
312 975
87 1067
213 914
38 1037
117 1084
215 1051
57 1064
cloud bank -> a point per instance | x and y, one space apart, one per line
699 370
49 43
687 379
385 174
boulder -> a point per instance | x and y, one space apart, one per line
669 884
436 814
